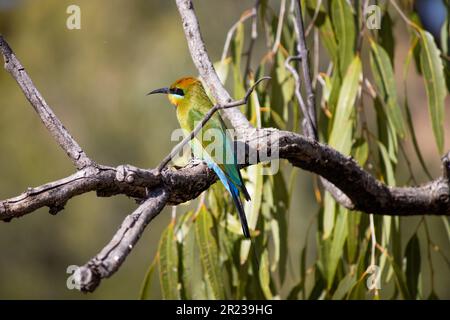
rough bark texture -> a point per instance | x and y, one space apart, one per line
114 253
155 189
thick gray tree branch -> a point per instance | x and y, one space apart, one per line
366 193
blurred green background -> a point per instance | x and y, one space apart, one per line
95 79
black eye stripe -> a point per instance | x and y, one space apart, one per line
177 91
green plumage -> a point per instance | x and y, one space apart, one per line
213 145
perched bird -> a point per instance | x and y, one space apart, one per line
192 103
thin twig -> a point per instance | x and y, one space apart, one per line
403 16
302 51
372 265
253 37
297 81
276 43
316 58
314 18
362 27
310 119
245 16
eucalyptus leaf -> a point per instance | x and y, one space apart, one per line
209 254
433 75
343 120
413 265
148 280
384 78
168 264
337 246
264 275
192 276
344 24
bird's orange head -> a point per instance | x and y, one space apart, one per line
178 90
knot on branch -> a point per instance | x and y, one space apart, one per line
136 176
441 194
57 207
86 279
188 182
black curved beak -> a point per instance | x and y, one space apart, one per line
162 90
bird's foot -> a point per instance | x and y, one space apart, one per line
195 162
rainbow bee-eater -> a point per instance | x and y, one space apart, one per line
192 103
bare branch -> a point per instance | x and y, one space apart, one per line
106 181
276 43
253 37
310 125
204 65
108 261
51 122
366 193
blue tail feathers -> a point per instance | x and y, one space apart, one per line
238 203
234 191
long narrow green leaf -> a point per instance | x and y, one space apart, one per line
209 253
341 134
148 280
414 138
274 227
344 25
390 176
384 79
386 131
433 74
409 121
168 264
344 286
413 261
335 89
337 246
386 35
329 214
255 189
446 225
222 68
237 46
352 243
445 45
401 280
264 275
323 22
280 213
193 284
282 91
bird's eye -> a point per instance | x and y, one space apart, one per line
177 91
